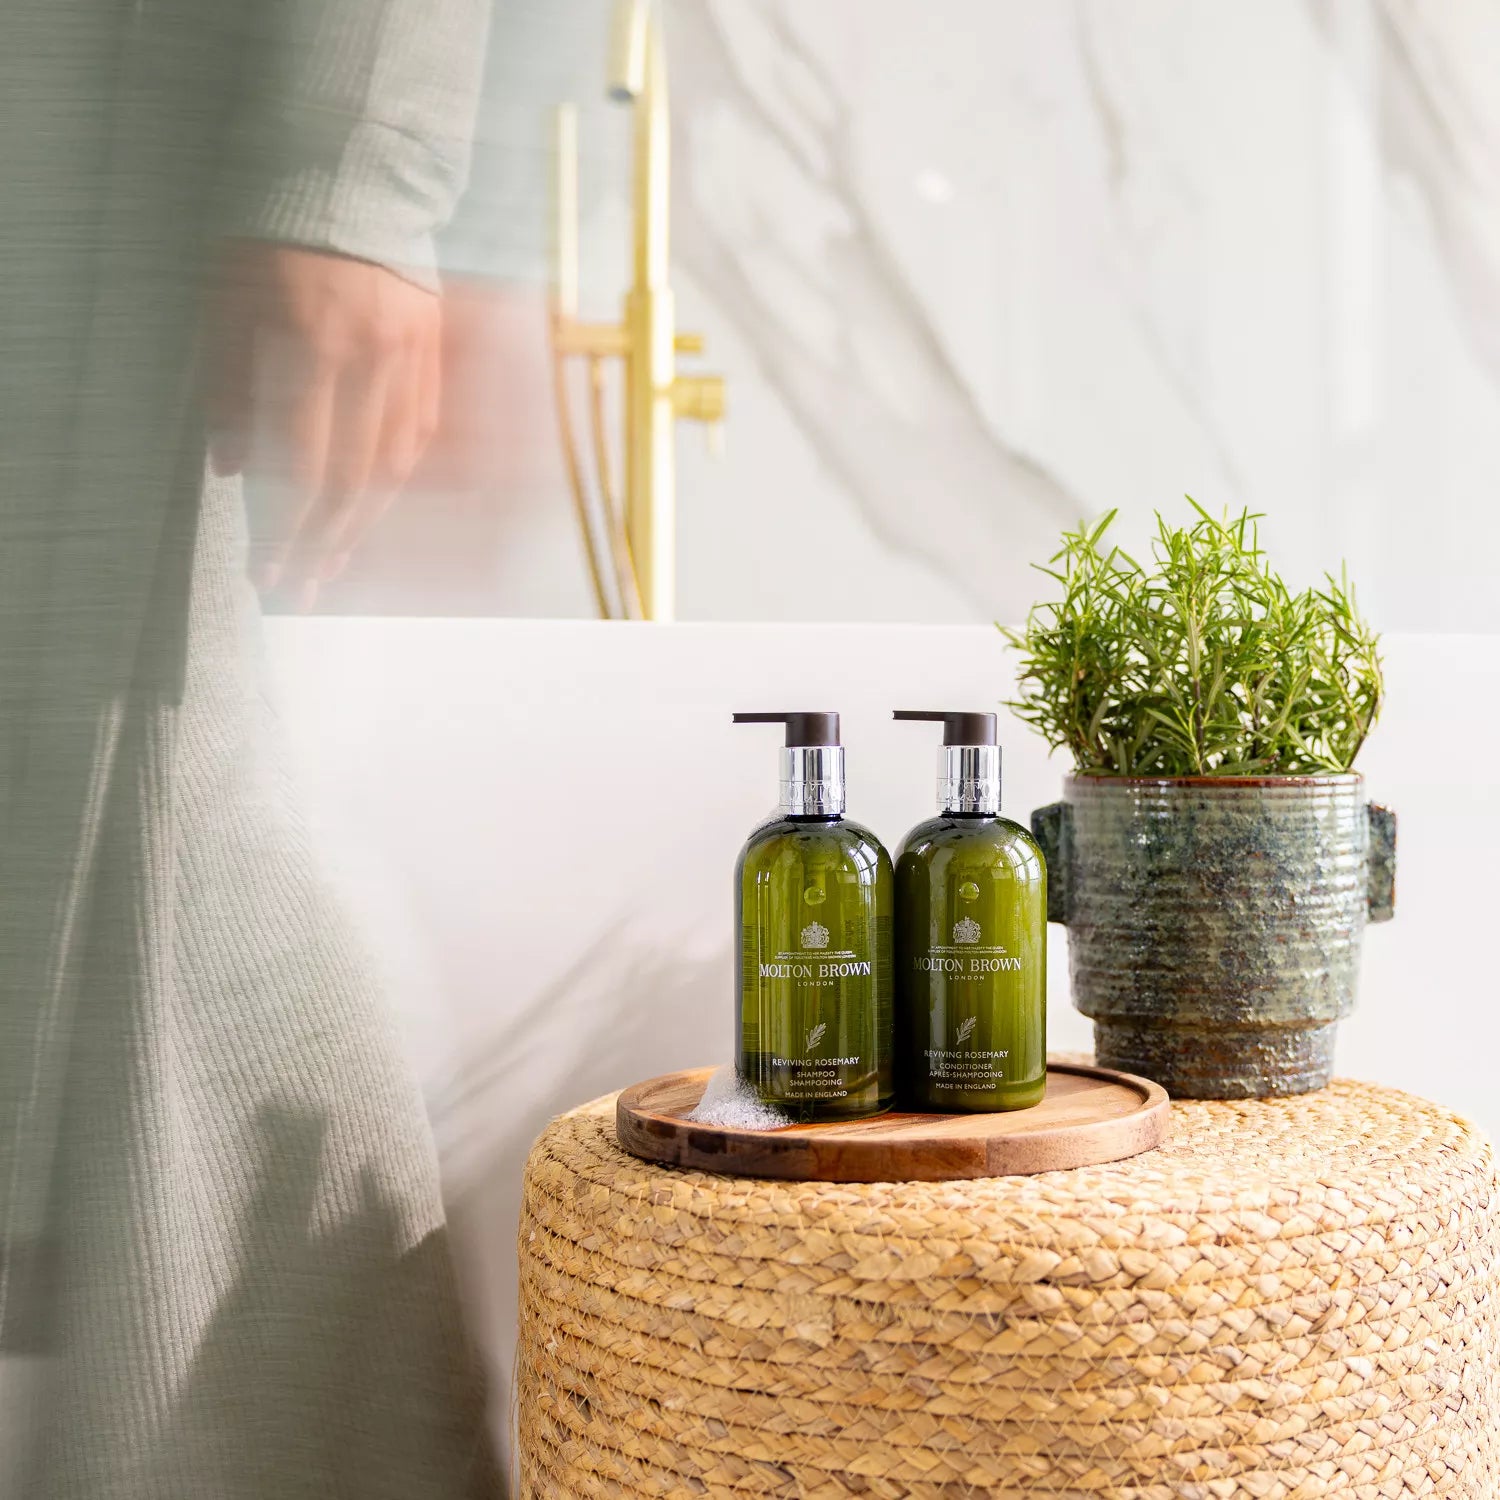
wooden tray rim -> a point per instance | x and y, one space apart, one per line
673 1145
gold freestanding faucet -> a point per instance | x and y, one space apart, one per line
637 536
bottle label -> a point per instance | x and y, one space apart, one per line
814 988
970 966
825 971
957 1069
961 1062
813 1075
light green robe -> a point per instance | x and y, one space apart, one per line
223 1270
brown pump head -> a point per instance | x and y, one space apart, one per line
801 728
958 728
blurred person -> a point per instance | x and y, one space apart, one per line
223 1267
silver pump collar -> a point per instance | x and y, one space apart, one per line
969 778
812 781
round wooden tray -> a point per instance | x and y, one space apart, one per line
1090 1115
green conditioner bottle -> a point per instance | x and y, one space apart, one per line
813 901
971 940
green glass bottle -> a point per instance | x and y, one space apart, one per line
971 940
814 895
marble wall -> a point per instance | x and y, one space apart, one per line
978 268
975 269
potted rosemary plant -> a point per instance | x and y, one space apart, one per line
1213 858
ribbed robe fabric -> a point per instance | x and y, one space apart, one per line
223 1270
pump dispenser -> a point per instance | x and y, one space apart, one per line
971 939
969 768
812 763
814 896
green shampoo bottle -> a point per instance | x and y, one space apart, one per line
813 899
971 940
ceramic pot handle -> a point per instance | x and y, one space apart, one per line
1382 863
1052 828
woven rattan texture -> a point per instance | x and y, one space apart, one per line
1294 1299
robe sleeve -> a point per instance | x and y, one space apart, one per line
355 131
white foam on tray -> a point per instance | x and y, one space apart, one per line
732 1105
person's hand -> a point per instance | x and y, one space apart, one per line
324 371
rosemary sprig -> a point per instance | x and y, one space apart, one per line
1201 664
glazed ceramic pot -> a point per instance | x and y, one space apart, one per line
1215 923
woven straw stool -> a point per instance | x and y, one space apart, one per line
1295 1298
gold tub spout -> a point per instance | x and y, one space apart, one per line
634 522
